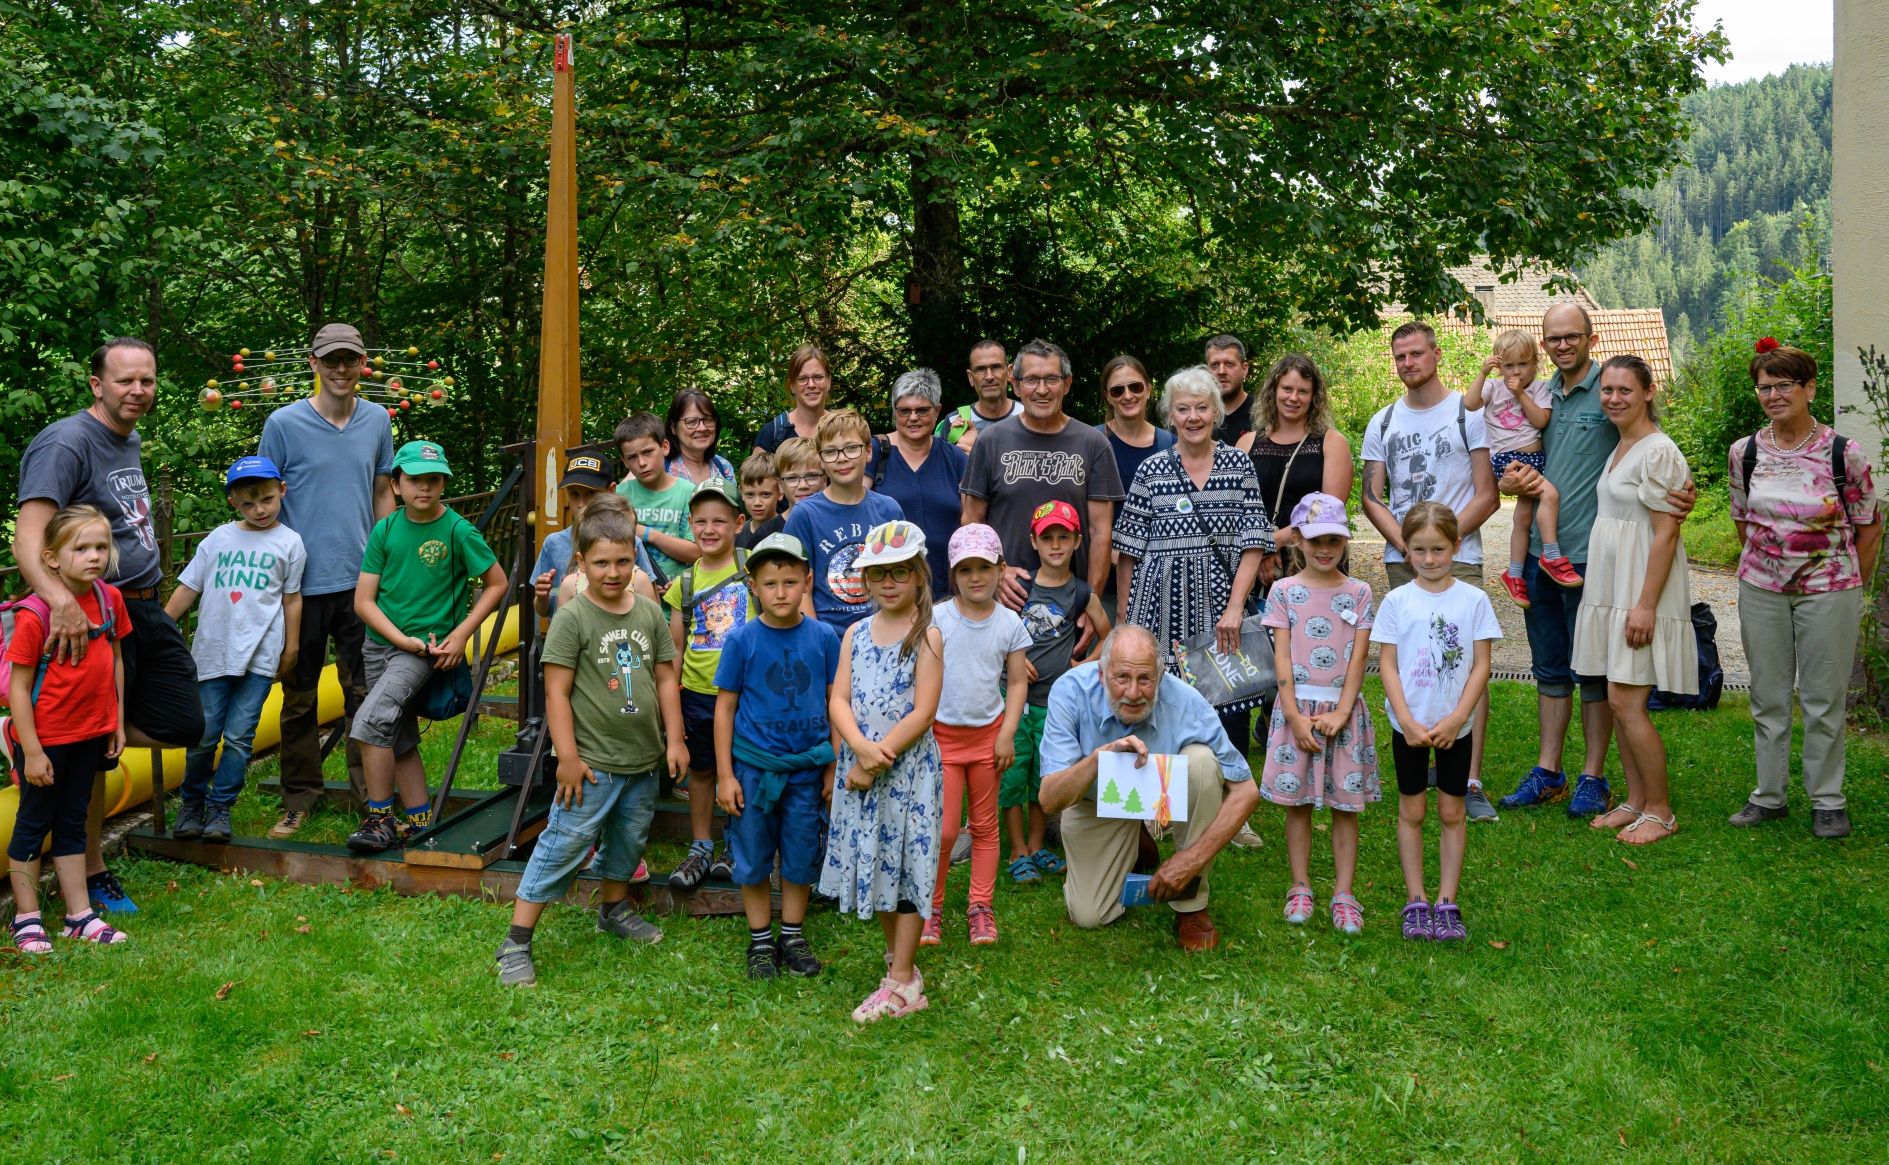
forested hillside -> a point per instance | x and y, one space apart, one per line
1755 199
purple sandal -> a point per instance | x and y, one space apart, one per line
1418 921
1449 923
93 929
29 934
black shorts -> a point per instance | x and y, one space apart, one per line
1413 767
698 730
161 698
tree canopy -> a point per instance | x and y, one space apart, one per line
889 181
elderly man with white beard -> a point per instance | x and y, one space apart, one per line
1126 702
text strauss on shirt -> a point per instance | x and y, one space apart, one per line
1044 465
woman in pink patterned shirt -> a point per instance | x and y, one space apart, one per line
1805 506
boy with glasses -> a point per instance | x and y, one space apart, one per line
832 524
335 453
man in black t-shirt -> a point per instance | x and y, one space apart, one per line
1226 359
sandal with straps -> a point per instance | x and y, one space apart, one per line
1347 916
1608 820
93 929
1670 825
1299 905
30 936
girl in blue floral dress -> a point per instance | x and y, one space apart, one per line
882 847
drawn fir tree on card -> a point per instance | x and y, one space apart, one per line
1133 804
1110 794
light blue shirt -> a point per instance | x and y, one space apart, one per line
1081 720
330 474
556 558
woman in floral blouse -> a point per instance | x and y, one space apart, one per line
1805 506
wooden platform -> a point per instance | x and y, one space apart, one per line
459 857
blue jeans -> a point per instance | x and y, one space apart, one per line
1550 622
614 817
231 707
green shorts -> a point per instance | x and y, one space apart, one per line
1024 777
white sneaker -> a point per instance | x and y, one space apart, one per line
1247 839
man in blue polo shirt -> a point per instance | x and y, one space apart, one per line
1126 702
336 453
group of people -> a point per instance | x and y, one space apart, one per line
853 637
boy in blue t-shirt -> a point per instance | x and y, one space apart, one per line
774 751
831 525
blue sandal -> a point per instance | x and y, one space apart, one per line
1048 862
1023 870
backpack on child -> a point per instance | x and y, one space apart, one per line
9 619
687 582
1711 674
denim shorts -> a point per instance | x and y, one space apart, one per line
614 817
1550 623
791 828
698 731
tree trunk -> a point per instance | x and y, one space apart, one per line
938 326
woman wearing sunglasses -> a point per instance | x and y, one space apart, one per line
1128 393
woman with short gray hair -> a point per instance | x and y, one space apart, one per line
918 470
1192 535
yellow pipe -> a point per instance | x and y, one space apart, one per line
129 783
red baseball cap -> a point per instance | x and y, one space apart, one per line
1055 514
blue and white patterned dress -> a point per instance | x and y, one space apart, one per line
882 846
1184 540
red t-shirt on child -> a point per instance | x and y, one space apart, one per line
77 701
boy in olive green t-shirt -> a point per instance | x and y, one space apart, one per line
707 603
612 707
415 576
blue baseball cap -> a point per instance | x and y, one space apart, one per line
251 467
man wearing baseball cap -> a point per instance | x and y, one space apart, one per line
335 452
249 574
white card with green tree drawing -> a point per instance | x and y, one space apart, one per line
1123 790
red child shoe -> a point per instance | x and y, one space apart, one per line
1562 571
1518 590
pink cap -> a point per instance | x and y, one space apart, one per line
974 541
1318 514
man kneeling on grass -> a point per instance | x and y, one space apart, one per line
614 709
1125 702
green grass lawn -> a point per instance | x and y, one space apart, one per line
1714 998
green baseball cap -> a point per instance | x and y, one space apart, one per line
416 457
776 546
717 487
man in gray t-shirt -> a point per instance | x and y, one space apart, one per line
1042 455
336 453
93 458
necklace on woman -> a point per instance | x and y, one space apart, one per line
1779 445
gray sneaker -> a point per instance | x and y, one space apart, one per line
961 852
189 823
216 826
514 965
1246 838
1478 806
618 919
1831 823
1755 814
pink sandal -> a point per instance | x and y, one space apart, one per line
1299 905
893 999
1347 916
29 934
93 929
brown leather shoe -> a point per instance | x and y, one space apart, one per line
1195 932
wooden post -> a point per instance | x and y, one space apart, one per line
560 389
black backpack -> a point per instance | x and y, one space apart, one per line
1711 674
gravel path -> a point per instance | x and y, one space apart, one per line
1711 584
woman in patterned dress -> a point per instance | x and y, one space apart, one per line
1194 539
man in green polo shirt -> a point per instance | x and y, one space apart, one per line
1579 440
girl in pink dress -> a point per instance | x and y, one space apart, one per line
1321 750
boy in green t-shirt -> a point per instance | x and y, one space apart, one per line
615 718
415 576
660 498
706 604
